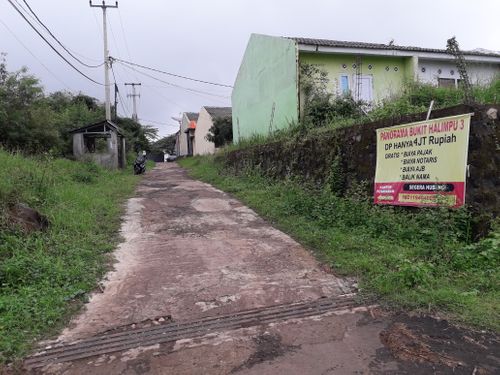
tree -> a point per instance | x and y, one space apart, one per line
138 137
164 144
221 132
26 123
33 122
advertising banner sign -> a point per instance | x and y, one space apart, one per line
423 163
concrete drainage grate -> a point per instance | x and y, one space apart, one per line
133 338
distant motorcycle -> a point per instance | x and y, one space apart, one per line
140 164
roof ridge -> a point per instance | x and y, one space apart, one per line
354 44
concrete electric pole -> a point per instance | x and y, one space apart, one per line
107 62
133 96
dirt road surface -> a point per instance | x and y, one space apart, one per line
192 252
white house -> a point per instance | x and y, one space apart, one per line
206 119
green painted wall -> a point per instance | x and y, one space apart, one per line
385 83
267 76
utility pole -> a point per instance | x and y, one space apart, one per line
107 62
133 96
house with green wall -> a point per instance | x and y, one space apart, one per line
266 94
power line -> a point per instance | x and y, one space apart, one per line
172 74
34 56
51 46
123 34
24 10
122 102
125 111
152 88
125 39
97 24
113 35
57 40
116 72
170 83
159 122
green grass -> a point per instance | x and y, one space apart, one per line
44 276
416 260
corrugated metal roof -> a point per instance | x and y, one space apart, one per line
219 112
346 44
100 123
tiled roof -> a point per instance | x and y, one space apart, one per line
219 112
345 44
192 116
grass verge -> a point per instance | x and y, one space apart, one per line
44 276
408 259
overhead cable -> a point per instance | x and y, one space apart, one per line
125 39
125 111
159 122
58 41
34 56
172 74
170 83
51 46
159 93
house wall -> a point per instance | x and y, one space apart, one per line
479 73
202 146
386 83
78 145
267 78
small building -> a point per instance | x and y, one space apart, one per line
102 142
206 119
266 94
185 136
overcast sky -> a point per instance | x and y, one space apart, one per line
206 39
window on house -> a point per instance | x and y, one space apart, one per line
344 85
446 82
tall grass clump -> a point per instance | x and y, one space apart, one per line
44 275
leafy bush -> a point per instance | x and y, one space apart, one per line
413 274
416 97
320 105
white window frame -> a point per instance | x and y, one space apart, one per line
341 90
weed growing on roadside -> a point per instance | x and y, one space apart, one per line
45 275
414 259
